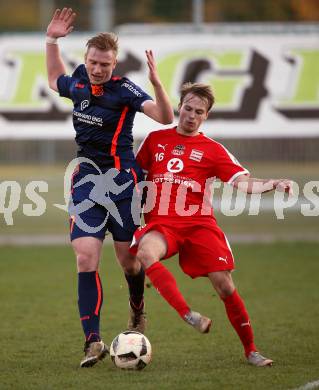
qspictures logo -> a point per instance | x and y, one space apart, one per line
104 186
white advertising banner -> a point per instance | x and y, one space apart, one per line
266 85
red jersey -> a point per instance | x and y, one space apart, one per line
182 169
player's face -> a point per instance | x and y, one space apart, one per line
99 65
192 113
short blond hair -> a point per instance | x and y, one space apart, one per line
203 91
104 41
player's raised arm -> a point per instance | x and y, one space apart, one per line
60 26
160 110
252 185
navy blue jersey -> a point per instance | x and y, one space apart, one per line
103 117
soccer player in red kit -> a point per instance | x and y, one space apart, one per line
181 164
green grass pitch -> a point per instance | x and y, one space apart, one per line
41 339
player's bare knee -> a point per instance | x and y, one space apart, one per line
130 265
223 283
152 247
144 256
85 262
125 259
226 289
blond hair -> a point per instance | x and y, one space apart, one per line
104 41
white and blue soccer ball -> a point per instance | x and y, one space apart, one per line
131 350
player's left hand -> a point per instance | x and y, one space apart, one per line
153 75
283 185
61 23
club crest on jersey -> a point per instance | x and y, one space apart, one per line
178 150
97 90
196 155
84 104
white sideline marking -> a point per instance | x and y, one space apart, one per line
40 240
309 386
63 239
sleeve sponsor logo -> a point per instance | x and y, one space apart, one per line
132 89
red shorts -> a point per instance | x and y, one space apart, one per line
201 244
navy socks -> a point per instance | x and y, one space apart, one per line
136 289
90 299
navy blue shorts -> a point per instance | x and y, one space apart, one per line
102 203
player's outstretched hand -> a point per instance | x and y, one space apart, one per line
61 23
153 75
283 185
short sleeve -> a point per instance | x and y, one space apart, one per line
133 95
143 155
226 167
64 83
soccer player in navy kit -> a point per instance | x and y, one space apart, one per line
104 110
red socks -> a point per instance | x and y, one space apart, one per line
165 284
239 318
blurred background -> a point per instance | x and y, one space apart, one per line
261 58
18 15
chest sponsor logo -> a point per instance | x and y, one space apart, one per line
178 150
196 155
89 119
175 165
84 104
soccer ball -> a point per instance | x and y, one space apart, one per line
131 351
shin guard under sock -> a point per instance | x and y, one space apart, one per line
136 289
239 318
90 299
165 284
